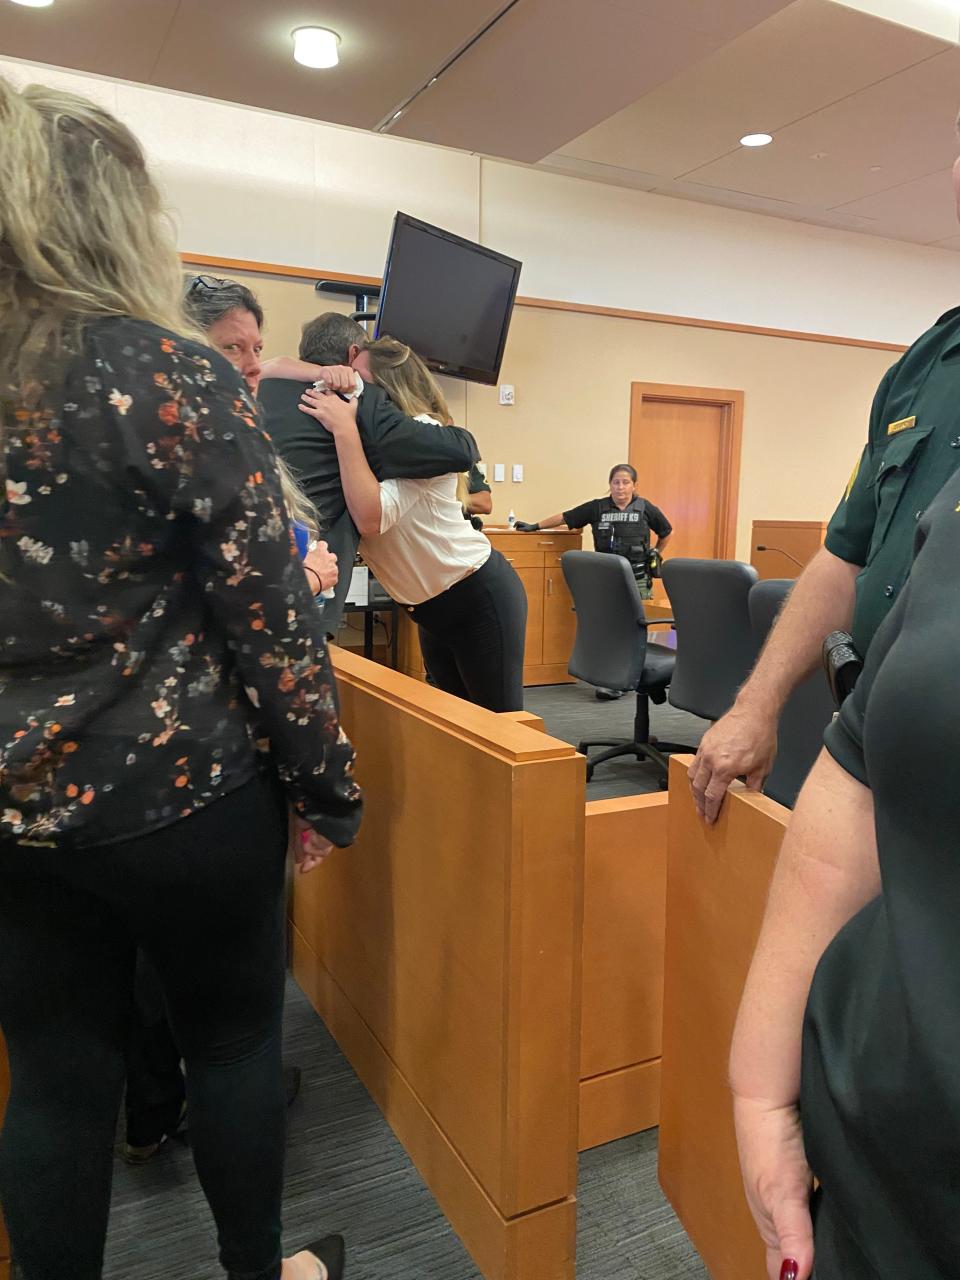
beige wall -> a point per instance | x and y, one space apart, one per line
805 410
249 184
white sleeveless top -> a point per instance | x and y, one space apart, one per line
424 546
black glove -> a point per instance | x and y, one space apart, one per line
477 523
523 527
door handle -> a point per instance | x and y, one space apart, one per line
549 586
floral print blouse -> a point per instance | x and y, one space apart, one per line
159 644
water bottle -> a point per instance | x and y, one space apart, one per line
511 519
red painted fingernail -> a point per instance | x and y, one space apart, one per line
789 1270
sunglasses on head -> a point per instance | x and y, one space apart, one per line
207 284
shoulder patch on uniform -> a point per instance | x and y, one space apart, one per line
904 424
853 478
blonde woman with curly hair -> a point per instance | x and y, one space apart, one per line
468 602
164 694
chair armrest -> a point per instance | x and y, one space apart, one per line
656 622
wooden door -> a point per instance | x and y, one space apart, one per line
559 620
685 445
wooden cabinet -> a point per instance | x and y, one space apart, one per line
550 619
790 545
559 620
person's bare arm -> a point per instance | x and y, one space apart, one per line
480 503
322 564
826 872
744 742
661 543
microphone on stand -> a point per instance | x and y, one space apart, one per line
780 551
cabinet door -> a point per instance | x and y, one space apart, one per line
532 578
559 620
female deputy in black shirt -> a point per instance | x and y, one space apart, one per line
622 523
164 693
846 1057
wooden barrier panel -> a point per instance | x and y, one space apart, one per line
444 950
717 881
4 1091
625 868
791 545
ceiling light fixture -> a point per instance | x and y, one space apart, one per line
316 47
34 4
756 139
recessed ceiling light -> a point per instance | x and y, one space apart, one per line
34 4
316 47
756 139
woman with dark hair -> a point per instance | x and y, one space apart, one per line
165 693
622 523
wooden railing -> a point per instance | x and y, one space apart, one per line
444 953
717 881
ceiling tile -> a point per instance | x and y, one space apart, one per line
893 132
543 74
807 56
706 15
108 37
241 51
612 174
924 210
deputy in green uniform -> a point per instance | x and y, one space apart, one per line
913 449
856 577
480 500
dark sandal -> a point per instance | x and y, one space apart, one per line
331 1251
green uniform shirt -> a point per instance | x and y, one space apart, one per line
476 483
913 449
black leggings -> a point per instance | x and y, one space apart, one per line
472 636
204 898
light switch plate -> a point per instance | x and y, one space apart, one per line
508 393
517 472
499 471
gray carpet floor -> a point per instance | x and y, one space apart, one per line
347 1172
572 713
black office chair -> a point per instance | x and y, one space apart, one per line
808 711
611 651
716 648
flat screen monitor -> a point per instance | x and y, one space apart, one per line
447 298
